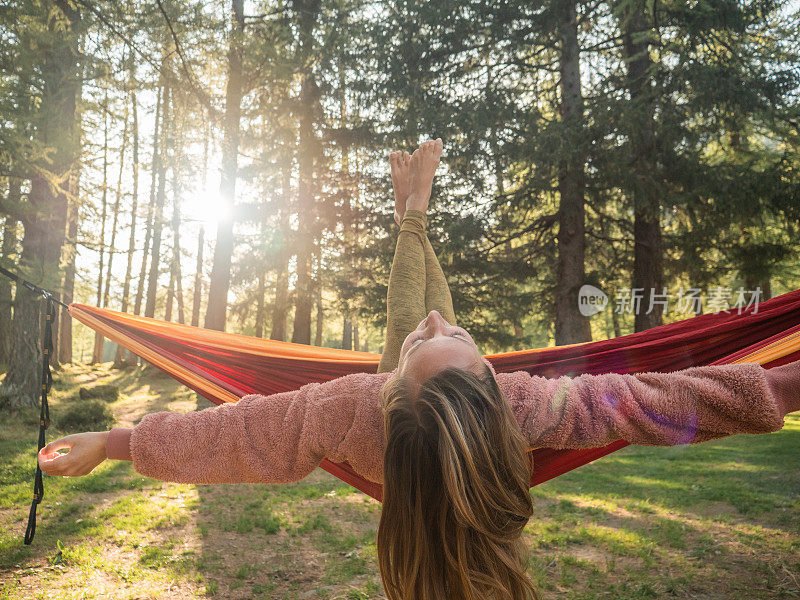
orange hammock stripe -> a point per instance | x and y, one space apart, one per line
204 387
226 341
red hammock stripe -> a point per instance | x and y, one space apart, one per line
223 367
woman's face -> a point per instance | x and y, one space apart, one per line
435 345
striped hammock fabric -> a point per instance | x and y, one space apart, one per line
223 367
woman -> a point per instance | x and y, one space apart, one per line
445 435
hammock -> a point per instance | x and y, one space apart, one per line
223 367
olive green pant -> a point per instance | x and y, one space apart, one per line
417 285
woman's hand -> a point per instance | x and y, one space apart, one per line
86 451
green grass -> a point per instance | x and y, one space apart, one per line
718 520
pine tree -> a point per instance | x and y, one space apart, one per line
53 30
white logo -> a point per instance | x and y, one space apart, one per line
591 300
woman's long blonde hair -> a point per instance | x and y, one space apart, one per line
456 491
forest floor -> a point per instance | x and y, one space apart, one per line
718 520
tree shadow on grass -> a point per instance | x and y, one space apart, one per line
713 519
316 538
310 539
755 473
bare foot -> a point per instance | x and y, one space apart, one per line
422 169
399 162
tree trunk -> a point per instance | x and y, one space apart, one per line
648 268
615 321
281 307
260 308
318 297
570 325
766 289
97 352
320 316
198 279
159 125
304 294
56 127
179 296
356 341
8 253
123 358
197 292
309 97
158 216
115 219
68 255
319 321
347 334
176 288
752 284
170 295
216 311
348 228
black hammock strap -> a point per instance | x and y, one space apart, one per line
44 416
50 301
46 294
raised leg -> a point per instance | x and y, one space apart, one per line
405 299
411 286
437 292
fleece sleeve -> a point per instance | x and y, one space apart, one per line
263 439
654 409
283 437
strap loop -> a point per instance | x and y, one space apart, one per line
50 300
44 416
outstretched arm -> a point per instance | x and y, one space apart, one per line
282 437
654 409
260 439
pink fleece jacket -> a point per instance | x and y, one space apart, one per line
283 437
